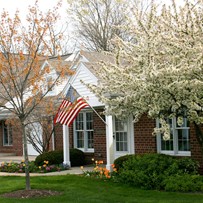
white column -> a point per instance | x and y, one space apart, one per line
109 142
66 153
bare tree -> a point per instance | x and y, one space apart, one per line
99 21
39 133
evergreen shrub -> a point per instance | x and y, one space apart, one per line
77 157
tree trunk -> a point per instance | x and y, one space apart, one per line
27 172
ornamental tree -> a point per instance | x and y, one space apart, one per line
22 77
162 73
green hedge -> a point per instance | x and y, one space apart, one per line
151 171
121 160
184 183
77 157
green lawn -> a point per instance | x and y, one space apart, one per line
85 190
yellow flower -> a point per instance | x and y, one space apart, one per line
81 167
22 161
40 167
92 159
23 164
44 165
46 162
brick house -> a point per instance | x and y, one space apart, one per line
113 138
118 137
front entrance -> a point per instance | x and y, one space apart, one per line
123 137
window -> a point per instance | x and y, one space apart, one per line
7 135
179 142
120 134
83 133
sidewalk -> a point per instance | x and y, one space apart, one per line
15 158
72 170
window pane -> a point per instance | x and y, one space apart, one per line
90 139
167 145
120 125
79 122
185 123
7 134
121 141
183 140
89 120
80 139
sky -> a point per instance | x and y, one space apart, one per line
22 5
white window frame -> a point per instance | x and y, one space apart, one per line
85 149
175 151
9 130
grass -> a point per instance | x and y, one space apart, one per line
86 190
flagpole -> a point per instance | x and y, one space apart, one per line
97 113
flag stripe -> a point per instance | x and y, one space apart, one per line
74 112
64 110
80 102
70 107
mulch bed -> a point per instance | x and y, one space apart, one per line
31 193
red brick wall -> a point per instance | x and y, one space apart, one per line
195 148
99 137
144 141
58 136
17 146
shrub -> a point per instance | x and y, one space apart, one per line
77 157
53 157
118 163
184 183
150 170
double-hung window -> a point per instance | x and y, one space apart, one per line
7 135
179 142
83 131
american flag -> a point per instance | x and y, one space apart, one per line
70 107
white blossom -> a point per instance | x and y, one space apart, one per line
162 73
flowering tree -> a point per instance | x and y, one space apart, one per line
160 74
22 78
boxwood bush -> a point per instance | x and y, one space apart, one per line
149 171
184 183
77 157
120 161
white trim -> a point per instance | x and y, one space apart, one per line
131 132
66 146
109 142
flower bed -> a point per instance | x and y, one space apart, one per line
12 167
